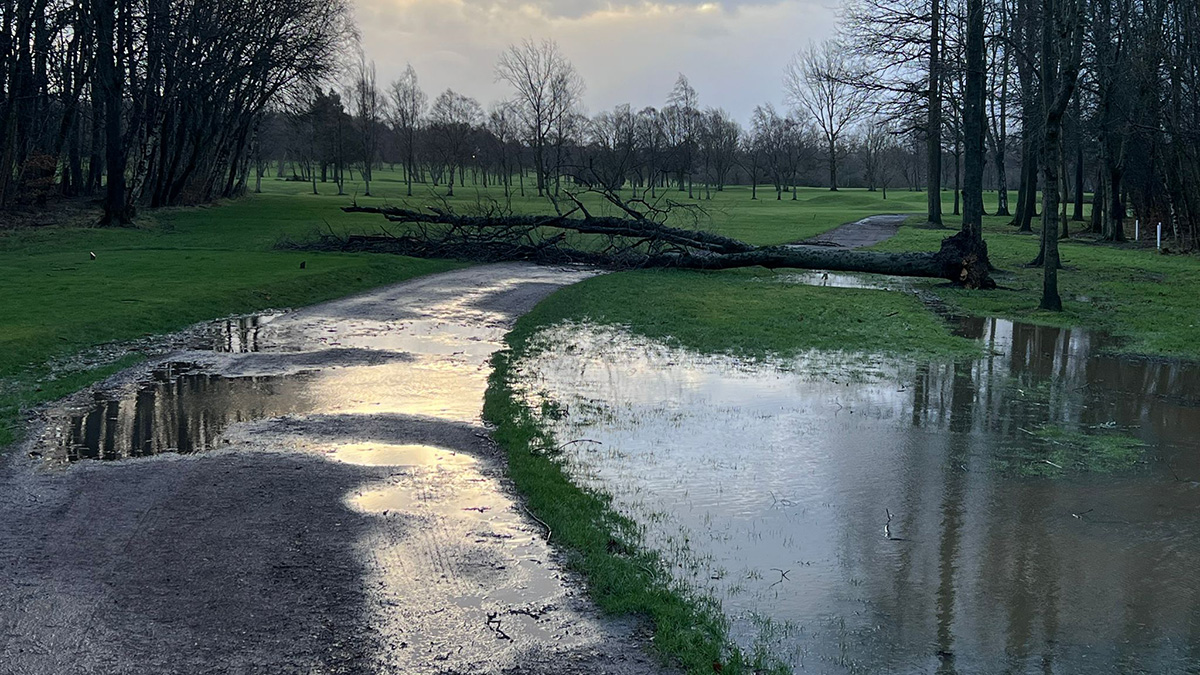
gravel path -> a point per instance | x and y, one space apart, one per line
347 514
859 234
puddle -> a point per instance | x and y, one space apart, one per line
874 282
179 409
1034 510
236 335
383 454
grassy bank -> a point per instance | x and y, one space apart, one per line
755 313
1148 301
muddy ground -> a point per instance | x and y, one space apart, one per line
341 509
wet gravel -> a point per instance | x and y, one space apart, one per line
346 512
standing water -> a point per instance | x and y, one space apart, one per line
1036 509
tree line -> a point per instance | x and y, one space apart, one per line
149 102
541 133
1073 97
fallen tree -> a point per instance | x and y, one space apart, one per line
638 239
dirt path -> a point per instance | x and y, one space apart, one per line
859 234
348 514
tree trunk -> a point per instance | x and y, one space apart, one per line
974 121
933 127
526 237
109 81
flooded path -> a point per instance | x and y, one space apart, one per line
310 492
1035 510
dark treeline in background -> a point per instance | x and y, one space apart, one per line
150 102
159 103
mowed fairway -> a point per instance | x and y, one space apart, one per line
180 266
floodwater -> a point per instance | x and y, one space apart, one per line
1035 510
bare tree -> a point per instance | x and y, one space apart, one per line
369 109
876 148
682 120
502 124
818 81
1061 57
546 88
452 123
407 109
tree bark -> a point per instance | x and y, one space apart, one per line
934 125
974 120
109 81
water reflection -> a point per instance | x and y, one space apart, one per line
236 335
179 409
993 559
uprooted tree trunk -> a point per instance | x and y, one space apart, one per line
636 240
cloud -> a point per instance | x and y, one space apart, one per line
627 52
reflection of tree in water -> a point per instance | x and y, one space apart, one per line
1042 574
178 411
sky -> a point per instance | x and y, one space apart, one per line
628 51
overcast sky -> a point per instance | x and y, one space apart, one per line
733 51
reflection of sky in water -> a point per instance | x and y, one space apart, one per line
426 358
777 483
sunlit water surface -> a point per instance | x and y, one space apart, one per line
942 518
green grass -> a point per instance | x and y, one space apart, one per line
1057 451
1149 302
754 314
731 212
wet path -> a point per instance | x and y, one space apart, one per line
317 497
1033 511
859 234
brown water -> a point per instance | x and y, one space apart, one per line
1035 510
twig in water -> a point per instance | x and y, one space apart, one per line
539 520
577 440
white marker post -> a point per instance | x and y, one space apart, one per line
1137 230
1160 236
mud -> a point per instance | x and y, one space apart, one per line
1031 511
317 495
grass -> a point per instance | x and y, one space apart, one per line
1147 301
731 212
1058 451
753 314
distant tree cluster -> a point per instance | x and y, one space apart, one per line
148 101
542 133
